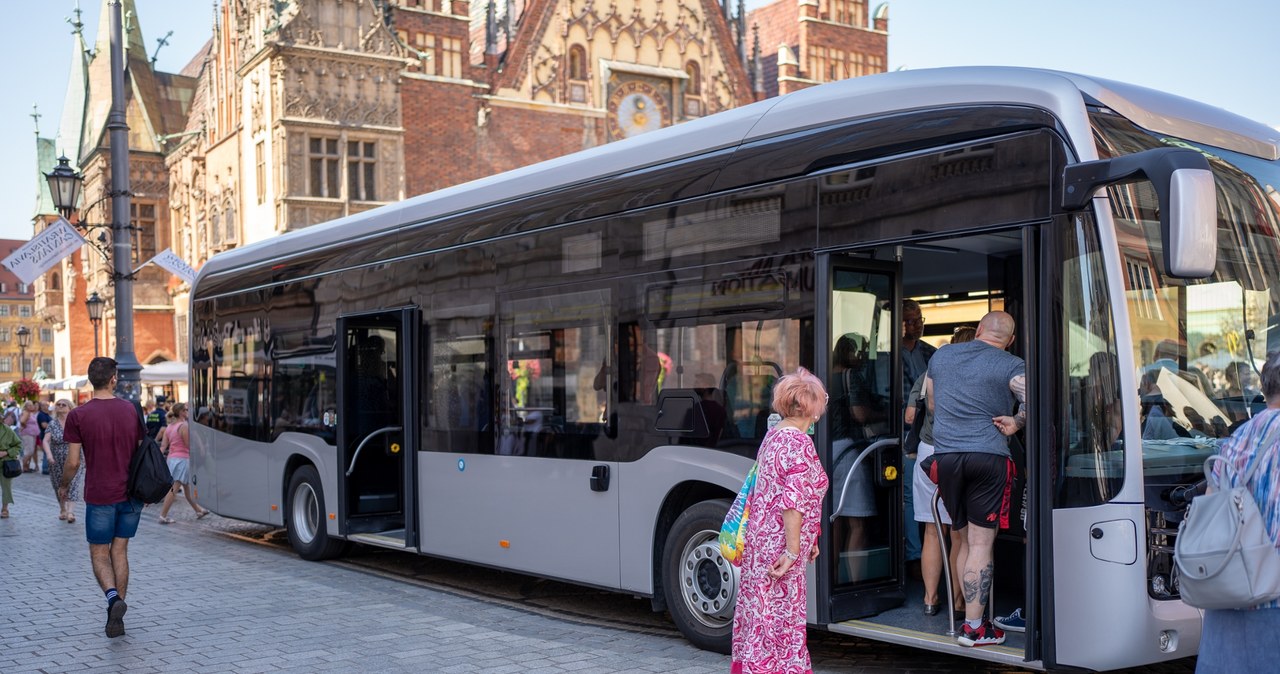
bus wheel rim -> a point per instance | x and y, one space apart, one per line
708 582
306 513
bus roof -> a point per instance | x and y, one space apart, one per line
1062 94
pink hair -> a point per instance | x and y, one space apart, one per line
799 394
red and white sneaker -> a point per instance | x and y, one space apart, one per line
986 635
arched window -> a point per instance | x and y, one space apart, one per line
577 63
230 221
55 281
694 86
215 228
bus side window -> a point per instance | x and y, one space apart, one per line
460 392
554 395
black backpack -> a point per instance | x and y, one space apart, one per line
149 476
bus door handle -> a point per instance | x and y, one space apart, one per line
844 489
600 478
367 438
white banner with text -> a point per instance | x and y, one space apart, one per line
45 250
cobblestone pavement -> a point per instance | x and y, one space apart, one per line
204 597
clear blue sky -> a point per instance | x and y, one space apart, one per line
1224 53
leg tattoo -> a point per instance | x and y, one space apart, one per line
984 583
970 586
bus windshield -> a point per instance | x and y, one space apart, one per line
1199 344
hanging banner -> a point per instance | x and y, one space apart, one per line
47 249
169 260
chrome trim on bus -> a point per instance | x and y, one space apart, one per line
938 643
381 540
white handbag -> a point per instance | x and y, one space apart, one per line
1225 557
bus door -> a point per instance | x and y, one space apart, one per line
376 395
863 567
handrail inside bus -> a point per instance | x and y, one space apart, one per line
844 490
367 438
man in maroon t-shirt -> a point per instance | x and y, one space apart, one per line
109 430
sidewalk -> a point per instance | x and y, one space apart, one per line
199 602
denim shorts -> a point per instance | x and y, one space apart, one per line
103 523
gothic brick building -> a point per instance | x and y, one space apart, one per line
304 111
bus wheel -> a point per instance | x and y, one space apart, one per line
304 517
701 586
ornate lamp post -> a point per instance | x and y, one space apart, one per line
24 340
94 304
64 187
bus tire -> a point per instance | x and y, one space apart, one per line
700 585
304 517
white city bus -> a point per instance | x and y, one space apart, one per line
565 370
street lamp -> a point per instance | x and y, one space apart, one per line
64 187
24 340
94 304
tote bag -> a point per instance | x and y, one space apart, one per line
734 529
1226 559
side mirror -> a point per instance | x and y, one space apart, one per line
1187 199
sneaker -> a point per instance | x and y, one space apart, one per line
986 635
115 618
1014 622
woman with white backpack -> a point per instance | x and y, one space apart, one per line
1243 640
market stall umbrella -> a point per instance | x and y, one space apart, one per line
168 371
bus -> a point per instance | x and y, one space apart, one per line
565 370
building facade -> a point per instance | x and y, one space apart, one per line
301 112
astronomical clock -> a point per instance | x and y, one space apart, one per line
637 104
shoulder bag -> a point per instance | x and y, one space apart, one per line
1225 557
734 530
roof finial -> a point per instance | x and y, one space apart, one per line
161 42
35 115
77 27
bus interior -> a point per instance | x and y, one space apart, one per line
956 281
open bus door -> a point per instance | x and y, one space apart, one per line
376 436
858 324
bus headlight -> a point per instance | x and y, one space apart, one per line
1168 640
1159 585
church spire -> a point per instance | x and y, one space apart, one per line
742 32
757 68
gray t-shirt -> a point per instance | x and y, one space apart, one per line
970 386
926 426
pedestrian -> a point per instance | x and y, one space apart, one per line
786 513
10 448
1245 640
923 490
107 430
971 388
176 445
915 360
55 446
43 418
156 415
29 433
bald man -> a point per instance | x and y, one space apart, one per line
972 388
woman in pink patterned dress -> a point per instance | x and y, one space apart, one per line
782 529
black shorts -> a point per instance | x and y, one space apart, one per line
976 488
